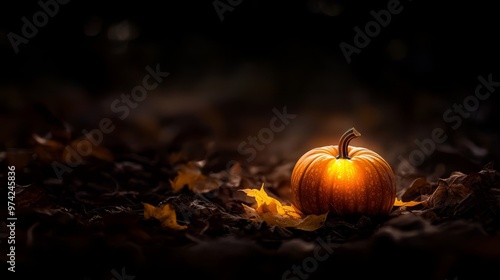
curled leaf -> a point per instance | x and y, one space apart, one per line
450 191
165 214
418 188
273 212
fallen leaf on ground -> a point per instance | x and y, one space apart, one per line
399 203
450 191
165 214
417 189
191 176
48 150
86 148
274 213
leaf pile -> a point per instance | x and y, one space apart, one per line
184 207
474 196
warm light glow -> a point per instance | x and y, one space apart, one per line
345 173
343 179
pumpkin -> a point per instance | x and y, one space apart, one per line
343 180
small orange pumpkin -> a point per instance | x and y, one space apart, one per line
343 180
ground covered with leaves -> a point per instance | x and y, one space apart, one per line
191 208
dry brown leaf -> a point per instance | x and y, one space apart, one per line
52 150
420 186
165 214
450 191
191 176
96 151
273 212
47 149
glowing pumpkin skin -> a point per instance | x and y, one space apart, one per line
343 180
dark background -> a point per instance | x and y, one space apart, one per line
227 76
264 54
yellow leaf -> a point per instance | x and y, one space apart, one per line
165 214
273 212
399 203
190 175
260 196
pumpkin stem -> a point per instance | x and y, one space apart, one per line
344 142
